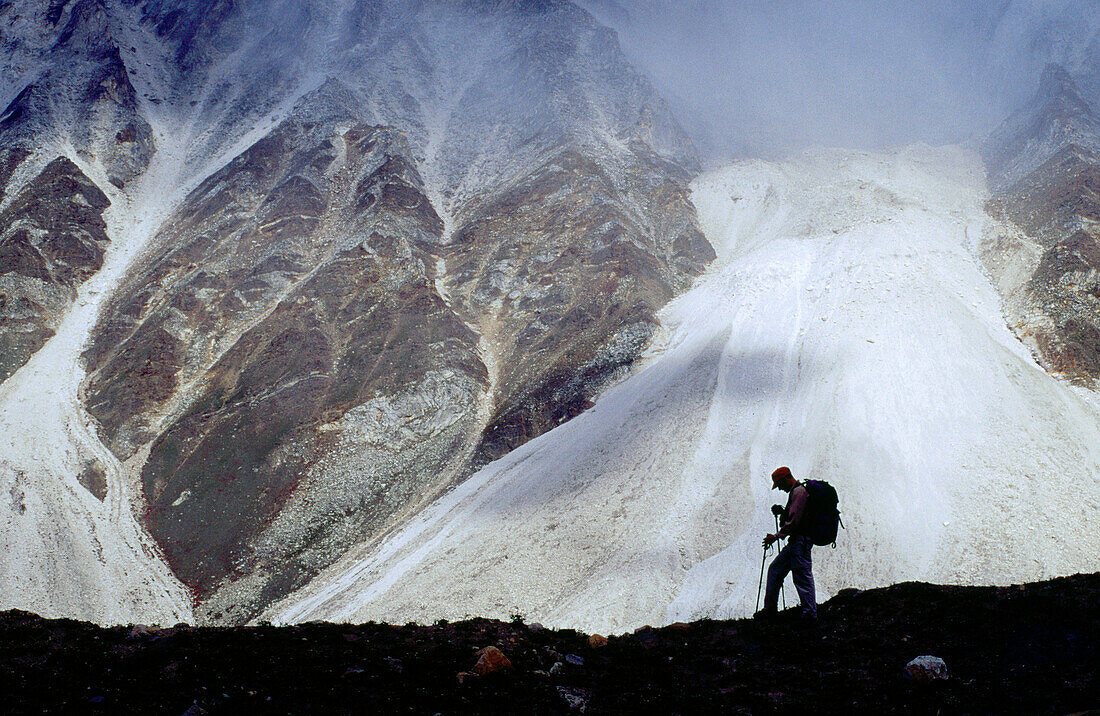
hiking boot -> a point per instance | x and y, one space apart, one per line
766 615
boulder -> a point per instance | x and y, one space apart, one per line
491 660
576 699
596 641
140 631
926 669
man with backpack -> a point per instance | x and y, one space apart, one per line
795 557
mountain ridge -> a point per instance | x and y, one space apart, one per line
1024 647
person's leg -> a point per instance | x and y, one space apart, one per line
777 572
801 566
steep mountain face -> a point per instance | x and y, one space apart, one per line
1044 165
53 238
79 100
380 244
292 320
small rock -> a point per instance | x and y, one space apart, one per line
464 676
926 669
596 641
535 626
575 699
490 660
574 660
557 669
395 664
646 637
138 631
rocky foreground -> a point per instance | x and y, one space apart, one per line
1021 649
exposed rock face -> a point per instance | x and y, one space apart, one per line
51 212
1044 165
1057 117
290 324
564 277
83 98
563 176
450 226
52 238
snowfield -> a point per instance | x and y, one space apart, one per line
847 330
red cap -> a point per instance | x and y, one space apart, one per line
779 474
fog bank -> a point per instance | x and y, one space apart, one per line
764 78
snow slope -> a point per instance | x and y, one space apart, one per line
65 553
845 330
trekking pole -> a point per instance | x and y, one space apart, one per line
782 594
761 585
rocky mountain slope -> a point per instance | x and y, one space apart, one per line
1027 648
370 260
1044 165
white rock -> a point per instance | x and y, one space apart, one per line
926 669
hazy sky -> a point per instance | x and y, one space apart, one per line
768 76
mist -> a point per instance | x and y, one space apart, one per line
765 78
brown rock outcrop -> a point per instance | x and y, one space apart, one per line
491 660
52 238
563 271
283 332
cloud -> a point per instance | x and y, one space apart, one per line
765 77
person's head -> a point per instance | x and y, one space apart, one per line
783 479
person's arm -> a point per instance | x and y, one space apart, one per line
794 513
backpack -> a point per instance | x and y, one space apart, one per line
822 518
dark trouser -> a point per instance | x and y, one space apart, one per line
794 558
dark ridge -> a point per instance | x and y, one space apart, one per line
1020 649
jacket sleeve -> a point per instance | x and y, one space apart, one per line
795 512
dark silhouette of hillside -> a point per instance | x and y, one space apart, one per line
1021 649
